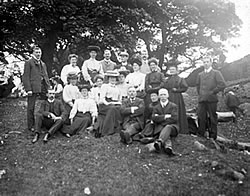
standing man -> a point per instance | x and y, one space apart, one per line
209 83
35 81
124 56
145 65
132 110
106 63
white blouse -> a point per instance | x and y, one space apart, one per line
83 105
123 89
91 64
110 91
95 94
68 69
136 79
70 93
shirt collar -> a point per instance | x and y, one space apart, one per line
164 104
51 101
208 70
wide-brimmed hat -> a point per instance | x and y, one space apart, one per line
72 56
137 61
153 60
94 48
112 73
72 76
123 53
153 90
84 86
98 76
123 71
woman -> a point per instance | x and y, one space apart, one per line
96 91
109 117
57 87
92 67
175 86
83 113
71 68
137 79
122 85
70 93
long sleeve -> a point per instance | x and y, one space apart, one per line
73 110
93 108
26 77
221 84
64 75
70 93
85 71
103 93
182 86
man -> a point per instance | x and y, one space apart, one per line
106 63
165 116
132 110
72 67
35 81
145 65
124 62
51 115
209 83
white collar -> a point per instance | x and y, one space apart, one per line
208 70
33 56
51 101
164 104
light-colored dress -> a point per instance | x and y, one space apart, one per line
136 79
68 69
91 68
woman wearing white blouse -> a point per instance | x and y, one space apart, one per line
136 79
95 92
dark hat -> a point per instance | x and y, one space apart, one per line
72 56
98 76
111 73
84 86
137 61
153 90
173 63
72 76
123 71
153 60
93 48
123 53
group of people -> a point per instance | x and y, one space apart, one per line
135 100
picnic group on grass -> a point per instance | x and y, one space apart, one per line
134 100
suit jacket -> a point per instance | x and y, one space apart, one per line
138 114
58 108
159 113
209 84
32 76
155 80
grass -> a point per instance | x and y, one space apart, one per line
66 166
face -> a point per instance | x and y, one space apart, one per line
124 58
163 96
136 67
107 54
37 53
99 82
207 62
122 78
73 81
112 80
172 70
51 94
73 61
84 92
152 66
144 55
154 97
93 54
132 92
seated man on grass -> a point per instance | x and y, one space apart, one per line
165 118
51 115
132 110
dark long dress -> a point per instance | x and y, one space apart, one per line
180 84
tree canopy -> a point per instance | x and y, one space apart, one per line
167 27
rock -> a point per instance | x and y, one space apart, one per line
87 191
200 146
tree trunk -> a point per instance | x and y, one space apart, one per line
163 45
48 49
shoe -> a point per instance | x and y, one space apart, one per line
169 151
45 139
158 146
35 139
147 140
67 135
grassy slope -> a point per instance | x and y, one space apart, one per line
66 166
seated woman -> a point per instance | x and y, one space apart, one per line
137 79
57 87
95 92
70 93
109 117
83 113
123 86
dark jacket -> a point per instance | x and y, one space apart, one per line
32 76
58 108
154 80
159 113
209 84
137 115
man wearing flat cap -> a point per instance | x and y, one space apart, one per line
92 67
124 61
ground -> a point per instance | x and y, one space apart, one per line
67 166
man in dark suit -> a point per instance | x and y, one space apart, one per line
165 117
209 83
132 110
35 81
51 115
